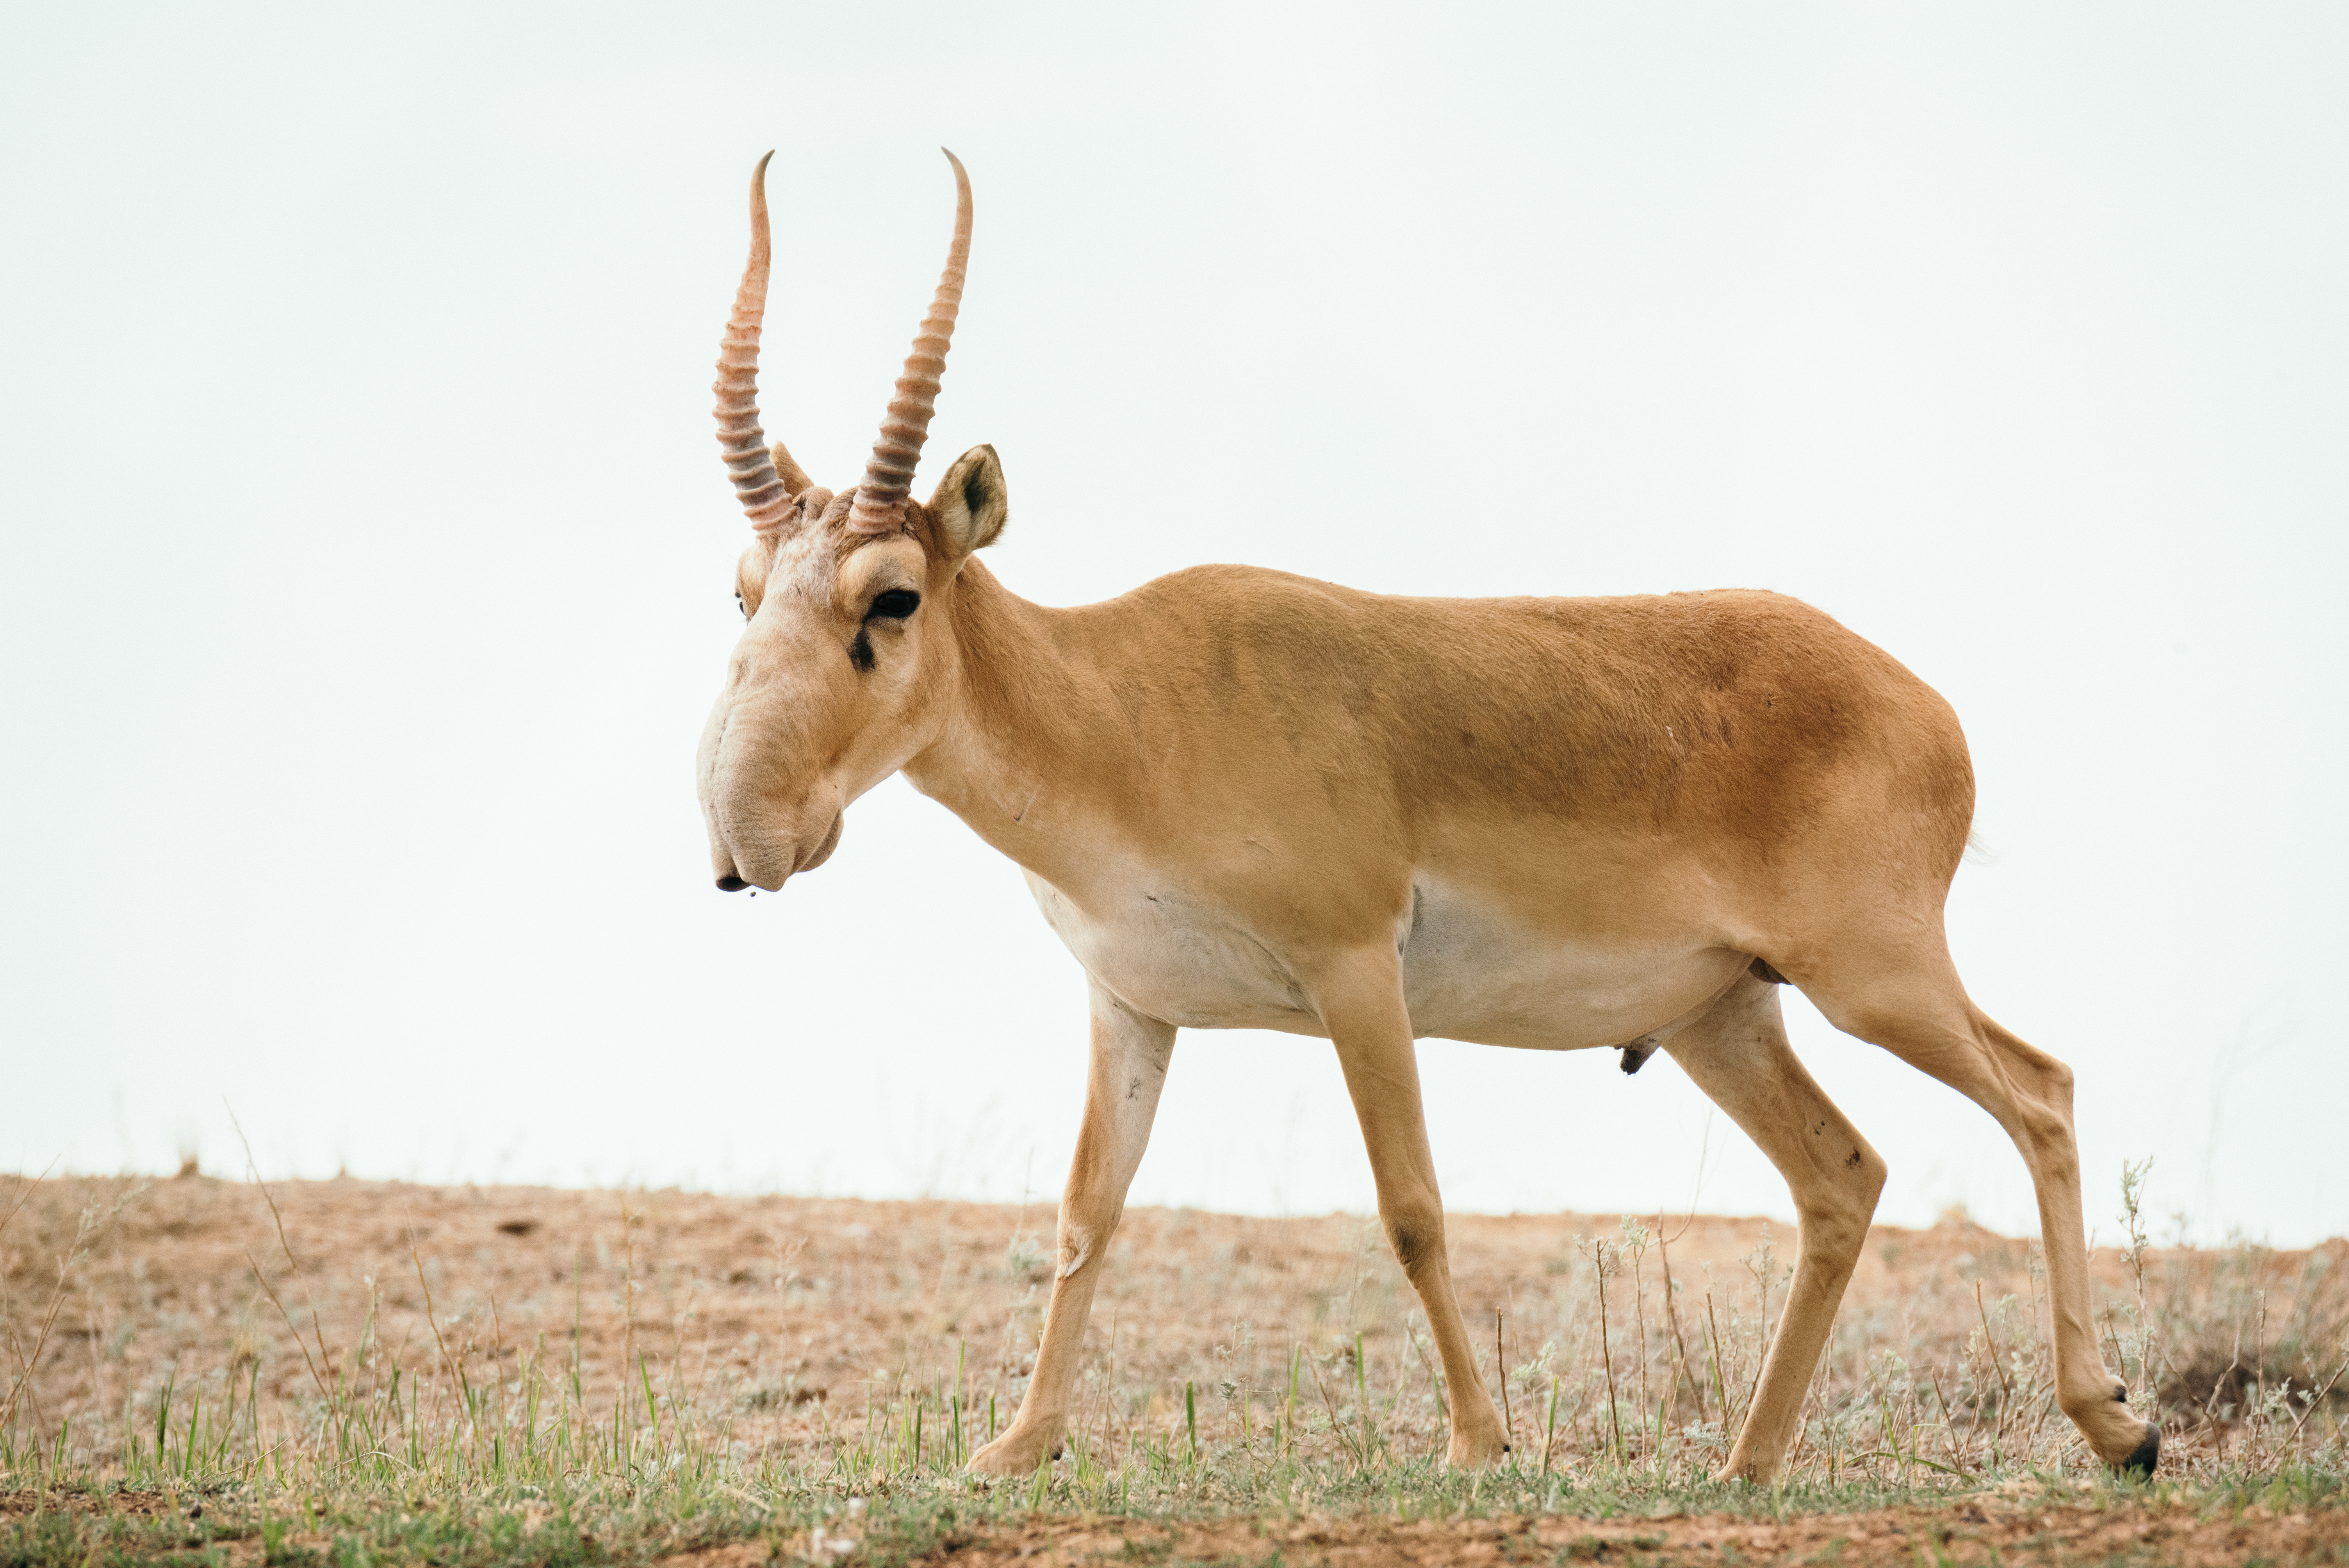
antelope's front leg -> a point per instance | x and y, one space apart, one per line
1361 1005
1129 1068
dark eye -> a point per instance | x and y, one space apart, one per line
894 604
741 606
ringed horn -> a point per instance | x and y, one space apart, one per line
880 504
765 479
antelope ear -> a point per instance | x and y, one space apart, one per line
969 507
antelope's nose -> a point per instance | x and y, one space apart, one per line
729 883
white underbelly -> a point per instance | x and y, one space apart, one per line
1469 974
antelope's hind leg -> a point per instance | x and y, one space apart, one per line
1738 1054
1129 1054
1907 999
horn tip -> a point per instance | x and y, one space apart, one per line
759 204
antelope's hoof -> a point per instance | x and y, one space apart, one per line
2139 1465
1014 1456
1478 1450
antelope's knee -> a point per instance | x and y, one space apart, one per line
1416 1234
2037 1075
2044 1127
2039 1088
1077 1248
1084 1233
1835 1221
1864 1173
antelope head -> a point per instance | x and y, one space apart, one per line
849 657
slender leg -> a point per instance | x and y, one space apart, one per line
1737 1054
1129 1068
1361 1005
1908 1001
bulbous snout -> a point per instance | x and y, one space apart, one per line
767 823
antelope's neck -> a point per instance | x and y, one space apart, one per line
1030 754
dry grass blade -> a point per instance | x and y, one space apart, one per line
92 1223
1501 1374
2316 1401
315 1375
1672 1313
456 1372
40 1343
283 1244
25 1196
1990 1350
1337 1426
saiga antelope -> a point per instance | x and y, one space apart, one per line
1250 801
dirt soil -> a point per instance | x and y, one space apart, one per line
1989 1529
1988 1532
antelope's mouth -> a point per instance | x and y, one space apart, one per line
822 851
737 877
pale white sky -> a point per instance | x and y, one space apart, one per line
365 556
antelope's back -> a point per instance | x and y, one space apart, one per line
1738 727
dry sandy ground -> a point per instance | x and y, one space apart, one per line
1987 1530
1985 1534
785 1315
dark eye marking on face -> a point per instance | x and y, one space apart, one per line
739 605
889 604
